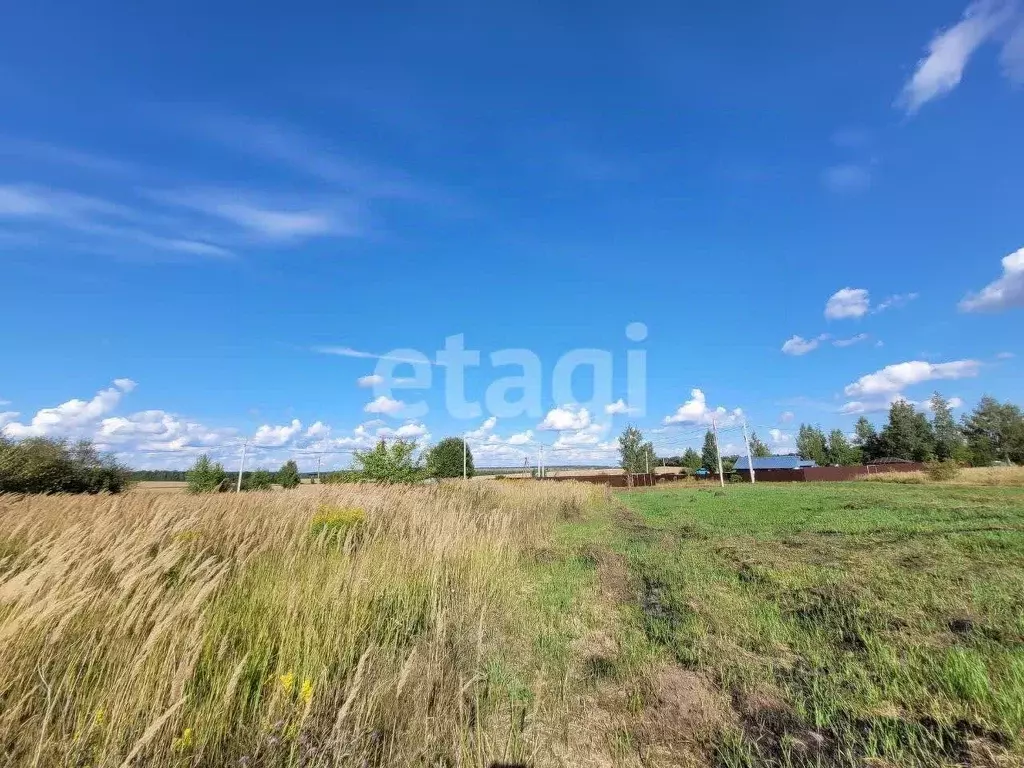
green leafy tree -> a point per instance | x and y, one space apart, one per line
260 480
44 465
446 459
709 454
866 439
949 439
812 445
758 449
389 463
205 476
840 451
635 455
994 432
692 460
288 475
908 434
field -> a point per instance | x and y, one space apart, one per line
542 624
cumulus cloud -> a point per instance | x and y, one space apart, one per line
66 419
6 417
520 438
157 431
780 441
942 69
484 430
696 411
847 303
370 381
1005 293
798 345
894 378
276 436
384 404
618 407
568 417
318 430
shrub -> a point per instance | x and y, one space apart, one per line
942 470
205 476
389 464
334 523
288 476
446 459
43 465
260 480
342 476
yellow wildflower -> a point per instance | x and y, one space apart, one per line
306 694
183 742
99 718
288 682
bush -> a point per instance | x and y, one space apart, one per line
388 464
942 470
260 480
288 476
43 465
206 476
334 523
446 459
342 476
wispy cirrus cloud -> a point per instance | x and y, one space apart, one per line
360 354
941 70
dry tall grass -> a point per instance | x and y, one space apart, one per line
989 476
167 630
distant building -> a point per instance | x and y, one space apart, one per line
766 466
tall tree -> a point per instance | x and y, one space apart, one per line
994 432
949 440
288 475
812 444
840 451
866 439
446 459
635 455
709 454
388 463
205 476
691 459
908 434
757 448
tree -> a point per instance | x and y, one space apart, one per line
866 438
994 431
757 448
691 459
635 455
908 435
205 476
812 445
709 454
260 480
44 465
288 475
445 459
949 440
388 463
840 451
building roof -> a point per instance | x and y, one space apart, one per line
775 462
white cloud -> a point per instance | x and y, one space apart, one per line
846 303
6 417
786 416
349 352
696 411
370 381
568 417
277 436
798 345
850 341
412 430
1005 293
847 177
520 438
781 441
384 404
618 407
484 429
157 431
68 418
942 69
894 378
896 301
318 430
589 435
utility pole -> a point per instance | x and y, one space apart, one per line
541 471
465 475
750 459
241 466
718 451
318 458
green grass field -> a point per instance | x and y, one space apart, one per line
837 624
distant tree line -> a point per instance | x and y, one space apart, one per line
45 465
993 432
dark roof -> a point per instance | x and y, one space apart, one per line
775 462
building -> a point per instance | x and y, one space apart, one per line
764 467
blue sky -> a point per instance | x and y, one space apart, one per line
813 210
